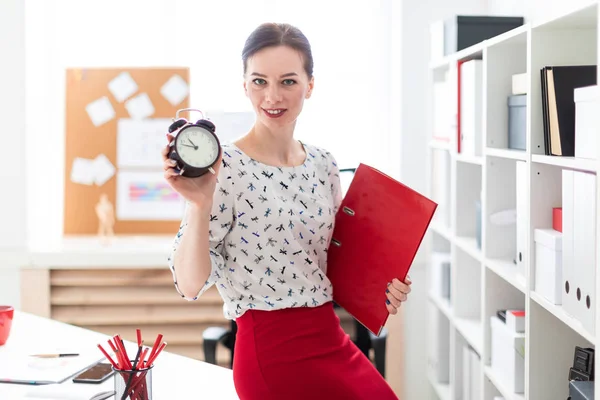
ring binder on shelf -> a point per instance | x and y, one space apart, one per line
378 230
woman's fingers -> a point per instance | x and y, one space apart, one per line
168 163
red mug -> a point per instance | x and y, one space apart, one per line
6 317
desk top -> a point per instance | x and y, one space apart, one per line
173 377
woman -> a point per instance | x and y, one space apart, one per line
259 229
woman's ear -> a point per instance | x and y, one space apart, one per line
311 85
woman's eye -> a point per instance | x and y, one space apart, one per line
288 82
259 81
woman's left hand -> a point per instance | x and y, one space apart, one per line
396 293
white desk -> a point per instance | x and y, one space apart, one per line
173 377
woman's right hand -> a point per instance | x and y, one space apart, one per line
198 191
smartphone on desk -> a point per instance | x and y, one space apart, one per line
95 374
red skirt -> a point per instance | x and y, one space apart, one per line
302 353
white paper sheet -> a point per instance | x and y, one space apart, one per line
103 169
230 125
100 111
21 367
82 171
122 86
76 391
87 171
140 106
175 90
147 196
139 142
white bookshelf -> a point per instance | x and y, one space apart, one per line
484 280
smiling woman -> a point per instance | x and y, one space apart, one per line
262 239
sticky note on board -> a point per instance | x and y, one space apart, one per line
175 90
122 86
140 106
100 111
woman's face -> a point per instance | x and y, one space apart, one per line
276 84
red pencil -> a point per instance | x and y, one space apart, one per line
153 357
139 337
109 358
156 343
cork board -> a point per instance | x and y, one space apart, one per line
98 100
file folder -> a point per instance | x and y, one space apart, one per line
378 229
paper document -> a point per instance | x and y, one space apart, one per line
75 391
139 142
175 90
147 196
22 367
122 86
140 106
100 111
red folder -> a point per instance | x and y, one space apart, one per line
378 230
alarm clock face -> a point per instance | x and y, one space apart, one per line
197 147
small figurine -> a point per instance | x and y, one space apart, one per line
106 218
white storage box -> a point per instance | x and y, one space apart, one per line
548 264
587 105
508 356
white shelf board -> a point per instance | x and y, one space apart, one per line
506 153
471 330
507 270
472 52
442 304
514 36
469 246
441 230
507 394
581 164
559 313
441 389
470 159
439 144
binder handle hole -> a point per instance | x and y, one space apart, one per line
336 242
567 287
578 294
588 301
348 211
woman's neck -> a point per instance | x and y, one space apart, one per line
274 147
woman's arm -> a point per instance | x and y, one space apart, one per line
198 248
192 257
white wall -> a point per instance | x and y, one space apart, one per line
533 10
350 78
13 215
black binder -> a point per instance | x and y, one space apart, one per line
558 104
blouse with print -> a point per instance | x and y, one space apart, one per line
269 231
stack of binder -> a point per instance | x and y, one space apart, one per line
558 105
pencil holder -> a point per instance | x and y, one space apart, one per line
133 385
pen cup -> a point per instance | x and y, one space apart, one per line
133 385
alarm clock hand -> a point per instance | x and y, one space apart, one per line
187 145
190 140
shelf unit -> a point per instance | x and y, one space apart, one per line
487 278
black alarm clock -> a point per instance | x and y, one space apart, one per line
196 147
